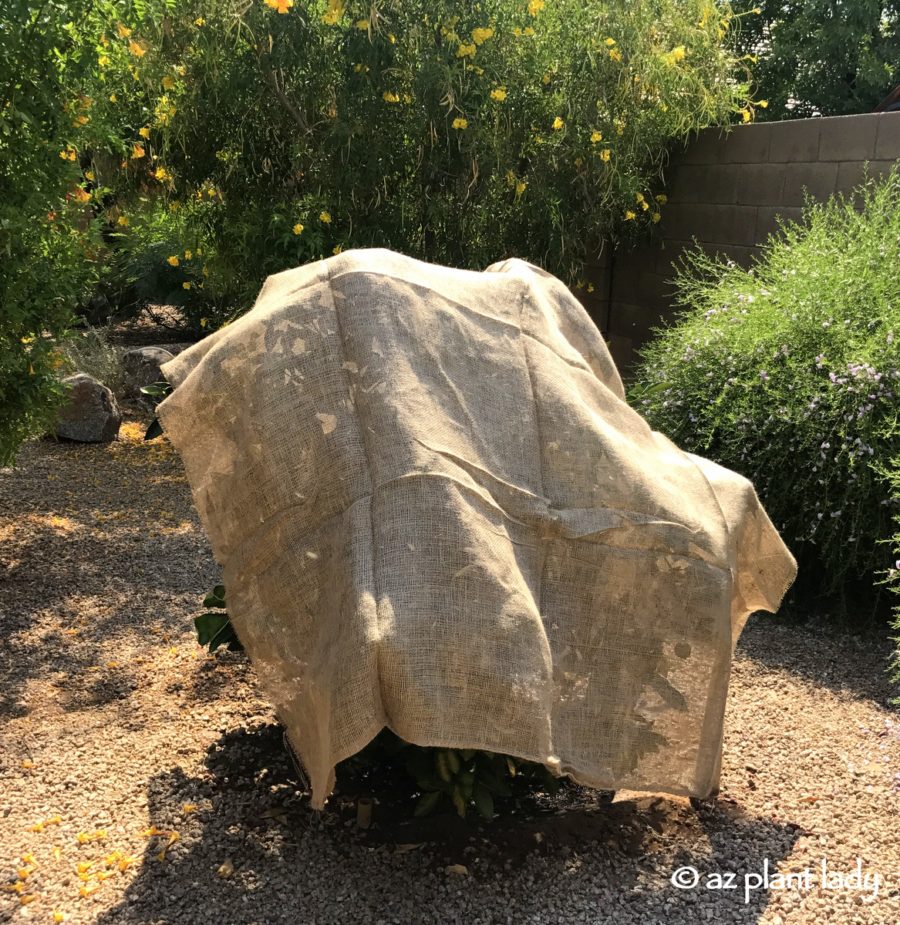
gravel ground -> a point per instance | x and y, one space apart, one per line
119 734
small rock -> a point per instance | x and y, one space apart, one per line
91 415
142 368
457 870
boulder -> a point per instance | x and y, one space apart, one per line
91 414
142 368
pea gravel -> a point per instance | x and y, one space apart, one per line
150 777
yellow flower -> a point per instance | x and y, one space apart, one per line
103 60
465 51
325 218
281 6
498 94
185 285
596 136
615 54
558 124
610 42
334 12
168 82
655 217
746 114
362 25
528 31
535 6
521 185
123 30
545 79
162 174
203 322
137 49
763 104
337 249
199 21
629 215
297 229
392 38
517 32
144 132
480 36
113 98
390 97
173 261
510 178
188 255
675 55
123 221
605 155
137 152
81 195
662 199
638 198
58 916
460 123
89 175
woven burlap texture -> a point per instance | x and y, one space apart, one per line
436 512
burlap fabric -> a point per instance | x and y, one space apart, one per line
436 512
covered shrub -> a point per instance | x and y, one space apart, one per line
789 372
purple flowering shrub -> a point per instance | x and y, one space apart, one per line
789 372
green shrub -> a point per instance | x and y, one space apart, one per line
59 161
90 350
789 372
280 133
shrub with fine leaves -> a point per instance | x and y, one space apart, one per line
789 372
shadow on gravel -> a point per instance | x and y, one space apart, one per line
253 853
99 551
826 656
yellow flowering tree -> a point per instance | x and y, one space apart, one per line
454 133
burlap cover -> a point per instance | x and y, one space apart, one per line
436 512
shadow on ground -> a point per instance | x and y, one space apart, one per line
255 853
100 551
854 664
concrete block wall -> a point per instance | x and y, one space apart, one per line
727 193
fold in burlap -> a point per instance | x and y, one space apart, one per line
436 512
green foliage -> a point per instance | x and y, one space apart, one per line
454 133
821 57
214 627
892 576
790 372
46 237
90 350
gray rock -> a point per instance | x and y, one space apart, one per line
142 368
91 415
